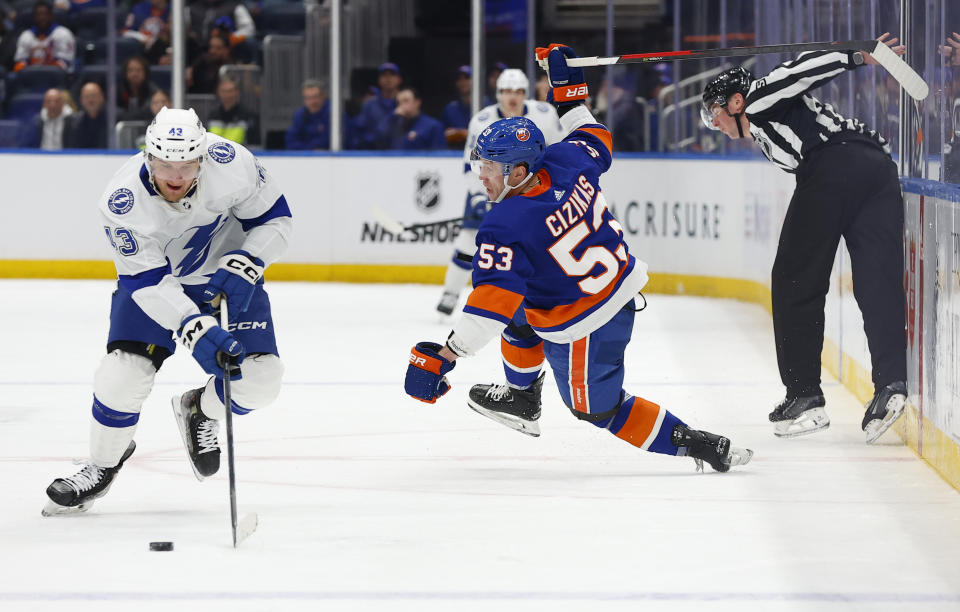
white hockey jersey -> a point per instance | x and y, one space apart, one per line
158 246
541 113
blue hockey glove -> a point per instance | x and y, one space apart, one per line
568 86
425 379
236 277
477 206
211 345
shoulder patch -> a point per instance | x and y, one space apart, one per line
543 107
222 152
120 201
483 116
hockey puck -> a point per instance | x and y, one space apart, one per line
161 546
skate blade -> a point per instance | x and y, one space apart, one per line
878 427
739 456
54 509
811 421
184 435
530 428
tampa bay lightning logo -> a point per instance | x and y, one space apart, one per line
222 152
194 245
120 201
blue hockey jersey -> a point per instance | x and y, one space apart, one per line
556 251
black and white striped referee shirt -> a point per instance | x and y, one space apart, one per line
787 122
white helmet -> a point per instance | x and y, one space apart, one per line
512 78
176 134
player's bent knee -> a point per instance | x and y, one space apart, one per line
260 383
123 381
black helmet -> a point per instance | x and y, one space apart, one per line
721 89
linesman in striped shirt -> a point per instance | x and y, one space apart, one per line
847 186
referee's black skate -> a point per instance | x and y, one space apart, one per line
884 409
518 409
199 434
799 416
705 446
77 493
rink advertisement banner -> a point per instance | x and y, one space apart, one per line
932 242
682 216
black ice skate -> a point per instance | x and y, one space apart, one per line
799 416
199 434
705 446
516 408
448 301
77 493
885 408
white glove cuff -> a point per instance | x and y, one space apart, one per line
194 329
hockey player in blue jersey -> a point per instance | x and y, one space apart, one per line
551 255
191 220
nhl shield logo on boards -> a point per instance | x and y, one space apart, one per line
523 134
427 197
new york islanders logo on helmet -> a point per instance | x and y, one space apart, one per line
523 134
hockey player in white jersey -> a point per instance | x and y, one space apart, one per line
512 88
191 220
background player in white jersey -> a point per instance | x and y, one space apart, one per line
512 89
191 220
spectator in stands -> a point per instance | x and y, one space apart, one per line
375 110
409 129
618 104
149 22
229 17
456 114
230 119
48 126
158 100
88 128
46 43
8 42
75 6
133 97
204 74
950 50
310 129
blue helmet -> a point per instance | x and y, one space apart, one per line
510 142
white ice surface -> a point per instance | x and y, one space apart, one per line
370 500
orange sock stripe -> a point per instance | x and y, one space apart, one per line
521 358
578 375
640 423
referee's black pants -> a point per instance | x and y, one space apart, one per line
848 189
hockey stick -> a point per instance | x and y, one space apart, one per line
395 227
908 78
248 524
667 56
